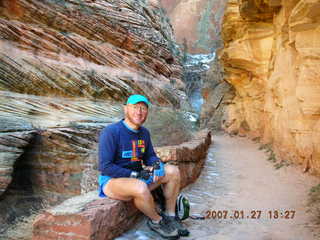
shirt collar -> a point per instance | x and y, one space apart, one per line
127 126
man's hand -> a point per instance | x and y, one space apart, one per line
143 175
148 168
151 174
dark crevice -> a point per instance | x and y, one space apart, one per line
20 200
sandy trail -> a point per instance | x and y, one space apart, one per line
238 177
247 182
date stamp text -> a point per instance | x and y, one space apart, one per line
250 214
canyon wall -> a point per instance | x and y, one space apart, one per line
92 49
271 57
69 62
196 24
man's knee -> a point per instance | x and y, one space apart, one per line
172 171
142 190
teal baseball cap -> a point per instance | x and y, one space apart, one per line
133 99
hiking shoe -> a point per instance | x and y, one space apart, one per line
176 223
164 229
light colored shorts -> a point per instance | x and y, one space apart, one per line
103 180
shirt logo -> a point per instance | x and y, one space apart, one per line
141 143
134 157
126 154
138 148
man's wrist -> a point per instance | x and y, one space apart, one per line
134 174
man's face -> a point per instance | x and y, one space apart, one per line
136 113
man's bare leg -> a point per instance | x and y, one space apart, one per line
171 187
129 188
133 189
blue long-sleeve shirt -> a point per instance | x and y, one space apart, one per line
121 150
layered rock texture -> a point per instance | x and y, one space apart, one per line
65 63
90 217
94 49
196 24
271 58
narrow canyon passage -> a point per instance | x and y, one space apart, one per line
249 68
238 180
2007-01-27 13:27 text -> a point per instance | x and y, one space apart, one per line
251 214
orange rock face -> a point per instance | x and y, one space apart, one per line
272 59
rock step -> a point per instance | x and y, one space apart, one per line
89 217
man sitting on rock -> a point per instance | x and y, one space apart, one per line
126 162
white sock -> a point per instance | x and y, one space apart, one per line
156 221
170 214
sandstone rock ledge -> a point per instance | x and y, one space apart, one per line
271 57
90 217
